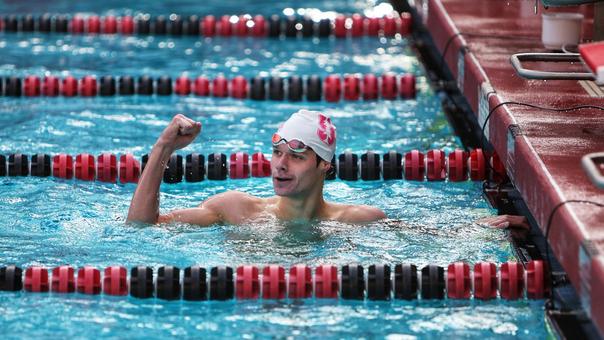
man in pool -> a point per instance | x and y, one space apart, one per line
303 147
302 151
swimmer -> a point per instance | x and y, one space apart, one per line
302 151
303 147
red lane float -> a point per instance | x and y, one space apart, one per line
259 28
106 168
405 23
62 166
89 281
273 282
94 24
436 169
31 86
247 284
340 26
374 25
326 282
239 87
36 280
201 86
485 280
241 28
407 86
88 86
498 173
182 86
109 25
415 167
370 87
390 26
477 165
84 167
511 276
300 282
129 169
115 281
261 167
389 86
208 26
63 280
458 281
127 25
537 286
50 86
69 88
352 87
357 25
77 25
239 166
332 88
458 166
220 87
224 27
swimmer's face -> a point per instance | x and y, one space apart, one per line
295 174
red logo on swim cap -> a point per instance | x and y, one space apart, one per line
326 130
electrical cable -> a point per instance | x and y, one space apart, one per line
549 302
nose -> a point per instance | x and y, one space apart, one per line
281 163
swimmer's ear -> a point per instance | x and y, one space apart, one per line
325 166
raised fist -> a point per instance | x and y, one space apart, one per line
179 133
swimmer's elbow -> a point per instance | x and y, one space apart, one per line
133 219
380 215
376 214
167 218
366 214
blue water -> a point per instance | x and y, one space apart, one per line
52 222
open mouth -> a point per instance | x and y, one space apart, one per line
282 179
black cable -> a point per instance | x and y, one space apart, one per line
549 302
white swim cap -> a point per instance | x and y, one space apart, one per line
312 128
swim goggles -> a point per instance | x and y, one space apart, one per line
294 144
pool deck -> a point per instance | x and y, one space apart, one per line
541 149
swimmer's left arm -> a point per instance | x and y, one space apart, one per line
202 216
362 214
505 221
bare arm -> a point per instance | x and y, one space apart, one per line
145 202
362 214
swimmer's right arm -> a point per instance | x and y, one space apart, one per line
144 207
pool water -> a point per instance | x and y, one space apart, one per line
53 222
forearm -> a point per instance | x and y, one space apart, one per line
145 202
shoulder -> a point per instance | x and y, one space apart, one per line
357 213
232 198
233 206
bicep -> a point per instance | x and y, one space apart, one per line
202 216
